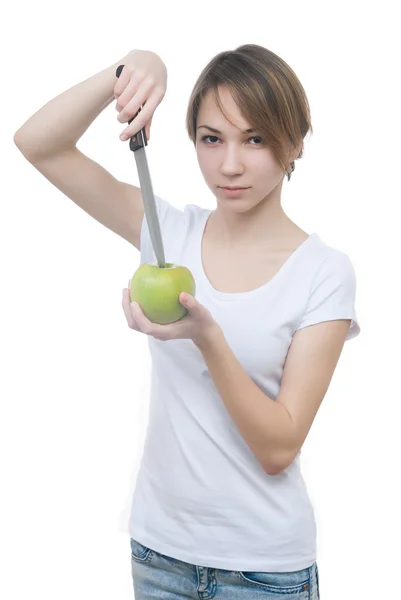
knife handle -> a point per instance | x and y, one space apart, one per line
139 139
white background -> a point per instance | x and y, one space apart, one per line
74 377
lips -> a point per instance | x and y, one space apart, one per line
233 188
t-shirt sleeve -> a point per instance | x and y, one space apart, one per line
332 294
170 219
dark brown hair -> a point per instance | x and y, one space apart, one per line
267 92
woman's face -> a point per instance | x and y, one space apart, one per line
228 155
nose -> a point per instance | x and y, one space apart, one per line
232 163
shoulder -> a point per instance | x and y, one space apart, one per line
178 224
331 286
189 211
195 213
180 221
172 215
330 260
322 263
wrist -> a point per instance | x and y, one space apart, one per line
209 338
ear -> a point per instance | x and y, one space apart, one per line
296 152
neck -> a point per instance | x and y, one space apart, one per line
266 221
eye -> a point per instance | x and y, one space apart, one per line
256 137
212 138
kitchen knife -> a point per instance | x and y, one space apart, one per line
137 145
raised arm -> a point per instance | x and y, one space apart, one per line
48 139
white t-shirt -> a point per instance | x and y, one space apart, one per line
201 496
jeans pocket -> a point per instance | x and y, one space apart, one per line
140 552
279 583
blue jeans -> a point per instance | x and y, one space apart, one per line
156 576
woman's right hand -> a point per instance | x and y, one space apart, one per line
143 82
126 304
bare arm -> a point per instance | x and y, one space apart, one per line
275 430
48 141
60 123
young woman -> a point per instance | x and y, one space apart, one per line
220 508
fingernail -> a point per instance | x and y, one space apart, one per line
123 137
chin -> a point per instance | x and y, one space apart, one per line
237 206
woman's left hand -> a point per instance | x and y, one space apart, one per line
197 325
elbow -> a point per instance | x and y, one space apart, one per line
277 465
20 142
17 139
274 470
26 145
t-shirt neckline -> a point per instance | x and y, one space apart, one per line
240 295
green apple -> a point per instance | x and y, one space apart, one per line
157 289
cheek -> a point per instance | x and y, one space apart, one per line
265 169
205 161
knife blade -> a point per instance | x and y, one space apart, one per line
137 145
149 202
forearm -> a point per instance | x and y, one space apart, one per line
60 123
265 425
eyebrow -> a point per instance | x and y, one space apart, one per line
251 130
